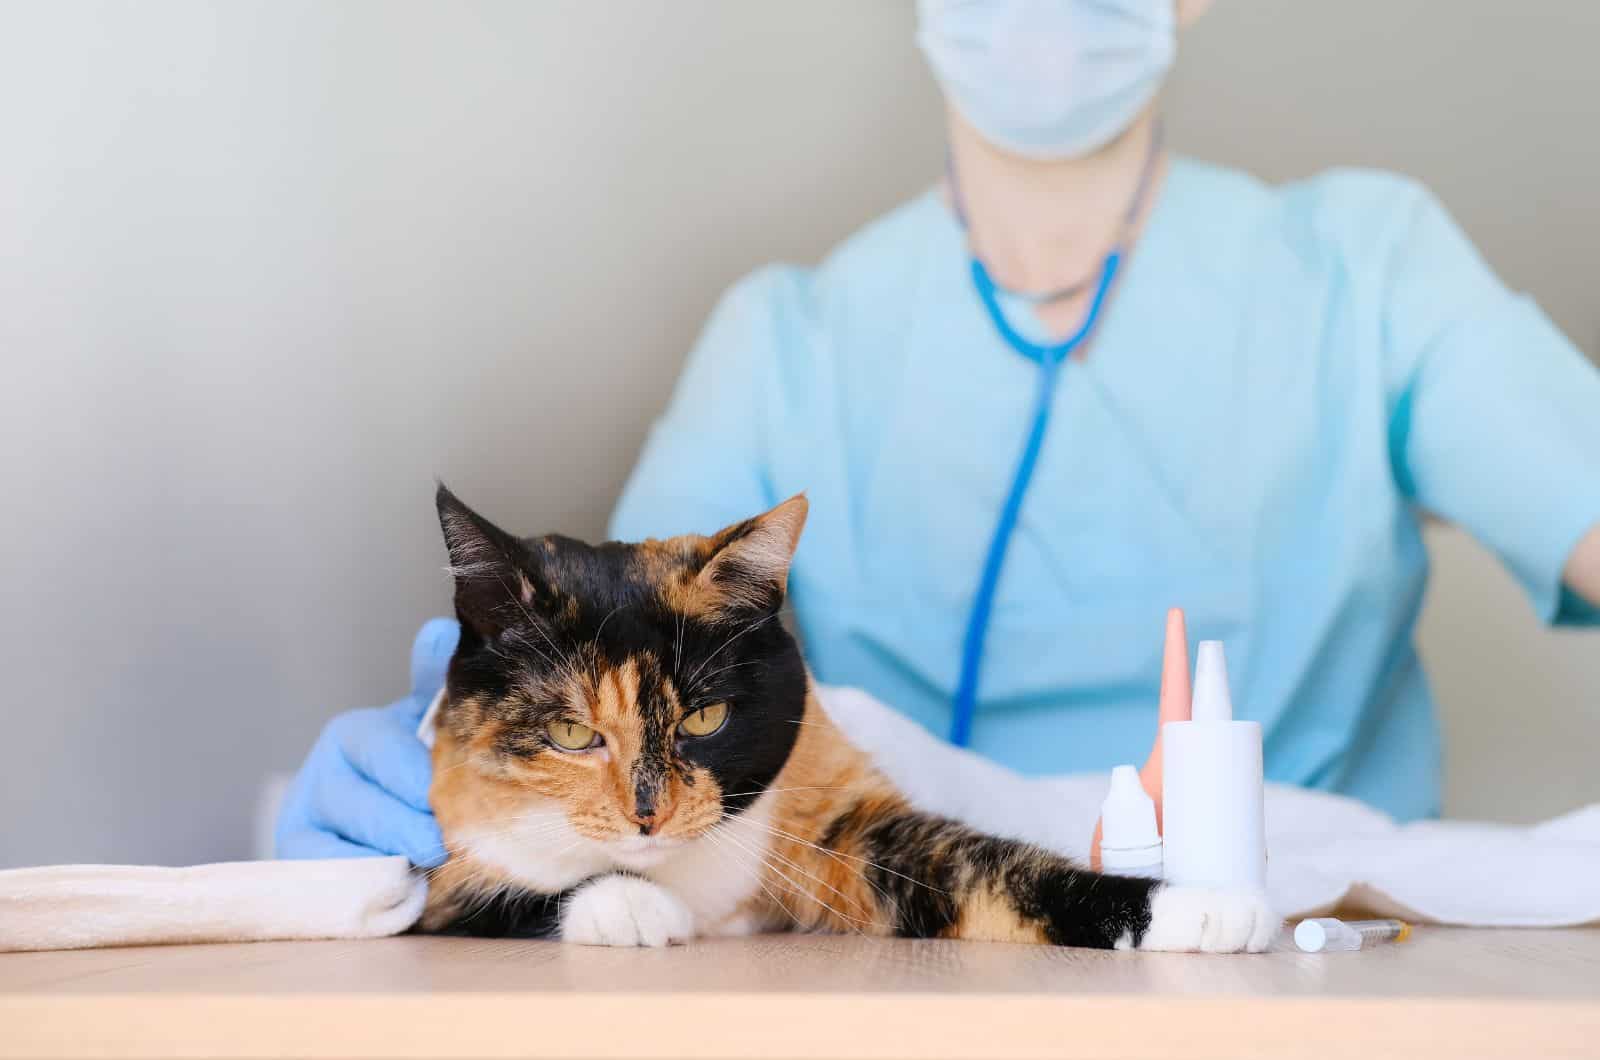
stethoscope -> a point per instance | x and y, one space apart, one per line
1050 357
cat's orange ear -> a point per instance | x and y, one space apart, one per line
748 568
484 561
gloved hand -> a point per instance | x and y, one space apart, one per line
363 790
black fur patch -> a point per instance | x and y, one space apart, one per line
928 866
514 914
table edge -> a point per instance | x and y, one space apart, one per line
730 1024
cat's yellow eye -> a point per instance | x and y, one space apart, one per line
704 721
571 735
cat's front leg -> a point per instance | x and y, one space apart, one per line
623 910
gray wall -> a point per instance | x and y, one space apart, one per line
267 267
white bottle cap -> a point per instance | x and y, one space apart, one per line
1129 841
1128 816
1212 701
1326 933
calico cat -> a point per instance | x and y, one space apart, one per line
629 753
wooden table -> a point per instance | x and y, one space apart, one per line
1454 993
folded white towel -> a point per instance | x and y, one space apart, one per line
76 906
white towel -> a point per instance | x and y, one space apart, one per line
76 906
1323 851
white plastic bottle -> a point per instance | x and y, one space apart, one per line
1211 793
1130 845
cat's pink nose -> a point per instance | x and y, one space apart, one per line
650 815
650 823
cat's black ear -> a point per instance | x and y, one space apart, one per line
488 567
749 565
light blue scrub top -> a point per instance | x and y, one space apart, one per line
1284 378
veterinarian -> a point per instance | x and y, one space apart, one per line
1082 380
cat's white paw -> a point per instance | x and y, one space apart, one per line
625 911
1192 918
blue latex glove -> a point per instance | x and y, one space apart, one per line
363 791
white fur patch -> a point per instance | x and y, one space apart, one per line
625 911
539 849
718 872
711 876
1195 919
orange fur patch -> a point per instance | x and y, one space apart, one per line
989 916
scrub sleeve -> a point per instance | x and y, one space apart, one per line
1495 415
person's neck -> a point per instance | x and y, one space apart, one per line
1044 225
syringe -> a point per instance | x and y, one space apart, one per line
1330 933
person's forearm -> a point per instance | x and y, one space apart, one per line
1583 567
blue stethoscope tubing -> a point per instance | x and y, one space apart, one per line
1050 357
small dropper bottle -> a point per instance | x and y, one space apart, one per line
1129 844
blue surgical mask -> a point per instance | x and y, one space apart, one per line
1048 78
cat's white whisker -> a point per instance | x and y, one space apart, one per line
787 886
602 627
764 857
791 863
516 635
772 791
836 856
560 661
677 648
721 845
723 647
706 680
451 769
853 857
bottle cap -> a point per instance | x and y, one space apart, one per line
1326 933
1212 701
1128 816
